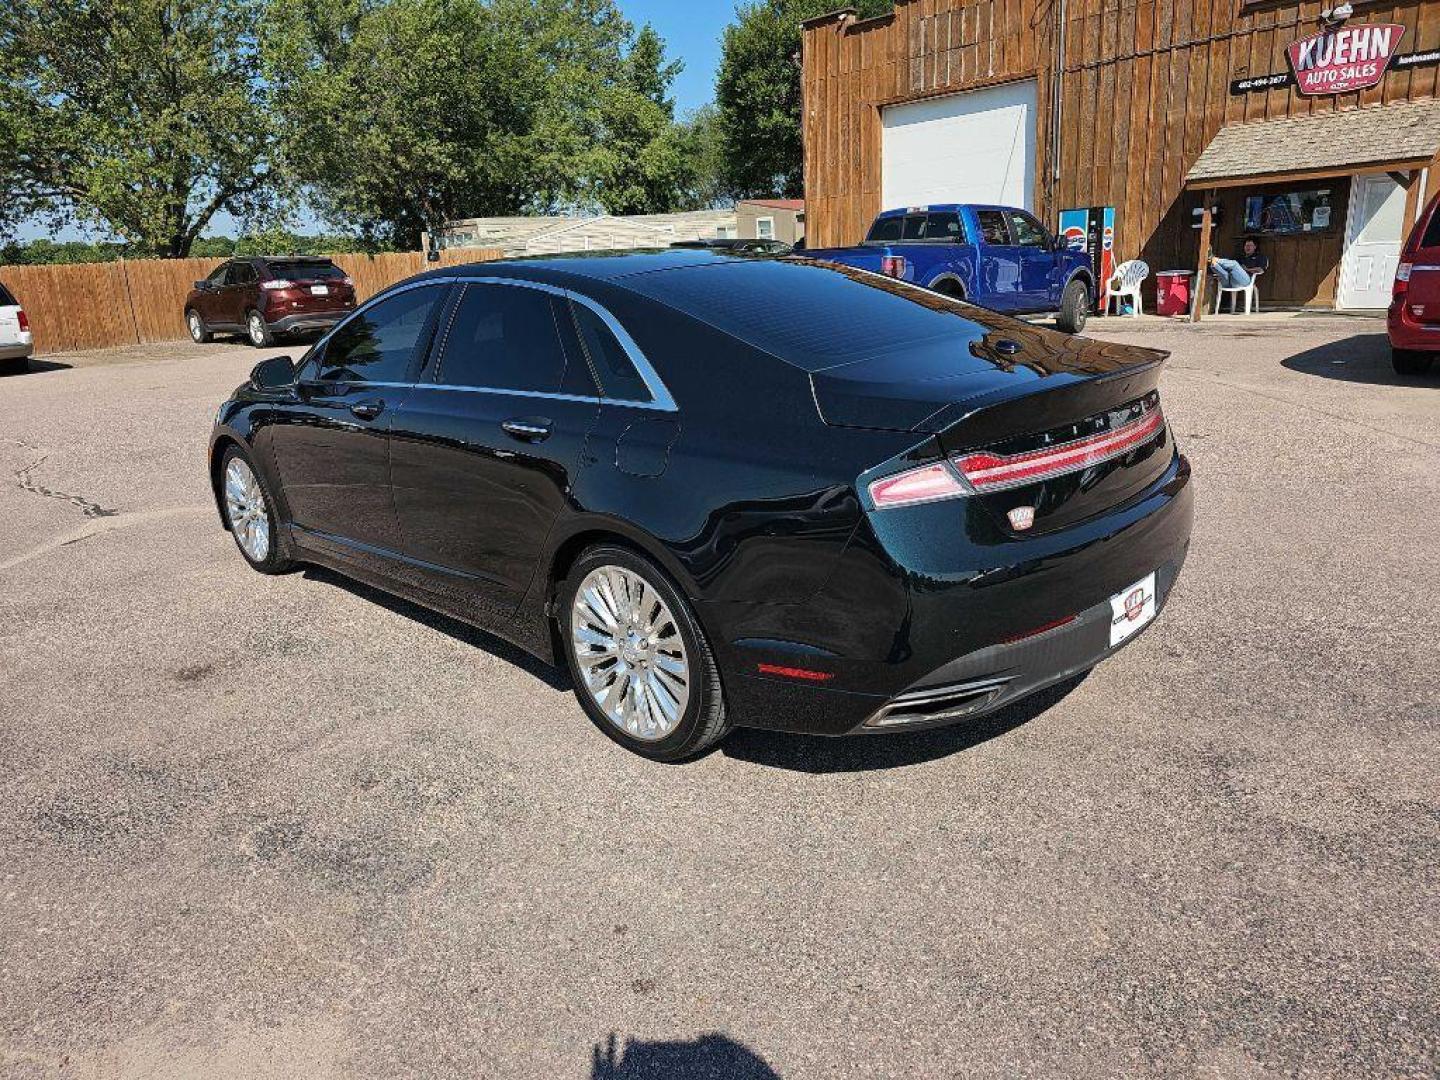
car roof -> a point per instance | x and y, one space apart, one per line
592 265
946 208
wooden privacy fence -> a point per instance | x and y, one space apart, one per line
133 302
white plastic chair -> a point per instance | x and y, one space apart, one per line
1251 294
1125 282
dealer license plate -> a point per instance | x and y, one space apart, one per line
1131 608
320 290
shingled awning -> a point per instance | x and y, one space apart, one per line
1404 135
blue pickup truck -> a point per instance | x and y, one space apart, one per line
997 257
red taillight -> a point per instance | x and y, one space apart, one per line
995 472
24 321
1402 279
925 484
983 471
803 674
1053 624
276 284
893 266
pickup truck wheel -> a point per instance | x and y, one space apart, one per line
1074 308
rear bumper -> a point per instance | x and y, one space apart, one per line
935 650
1406 333
18 350
313 320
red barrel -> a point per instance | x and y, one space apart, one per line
1172 292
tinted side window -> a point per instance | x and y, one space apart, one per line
944 227
241 274
1028 232
7 299
378 344
503 337
993 229
217 276
914 227
1432 230
886 230
619 380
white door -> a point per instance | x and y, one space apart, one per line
976 147
1373 235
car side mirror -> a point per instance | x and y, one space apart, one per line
273 374
203 284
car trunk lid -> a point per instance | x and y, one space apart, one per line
1051 431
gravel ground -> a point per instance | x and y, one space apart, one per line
284 827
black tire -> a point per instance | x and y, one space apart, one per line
199 332
257 330
1410 362
275 560
1074 308
704 721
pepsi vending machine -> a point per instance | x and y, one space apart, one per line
1092 230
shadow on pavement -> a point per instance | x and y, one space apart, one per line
1361 358
861 753
35 367
710 1057
555 678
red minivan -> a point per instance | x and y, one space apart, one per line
1414 319
263 297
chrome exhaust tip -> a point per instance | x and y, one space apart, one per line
936 704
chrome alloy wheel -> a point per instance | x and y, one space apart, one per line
630 653
257 328
195 327
245 508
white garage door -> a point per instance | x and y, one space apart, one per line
976 147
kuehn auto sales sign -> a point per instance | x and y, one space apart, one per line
1339 61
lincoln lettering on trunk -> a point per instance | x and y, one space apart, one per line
1343 60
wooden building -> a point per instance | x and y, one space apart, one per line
1311 130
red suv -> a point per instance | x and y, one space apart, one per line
1414 320
263 297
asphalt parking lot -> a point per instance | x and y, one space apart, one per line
287 827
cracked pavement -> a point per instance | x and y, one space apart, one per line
284 826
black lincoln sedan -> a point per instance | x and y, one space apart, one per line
724 490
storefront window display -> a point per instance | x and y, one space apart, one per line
1290 212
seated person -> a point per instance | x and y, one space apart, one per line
1228 272
1251 259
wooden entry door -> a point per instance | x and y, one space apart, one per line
1373 233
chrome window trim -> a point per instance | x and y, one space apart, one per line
663 401
659 392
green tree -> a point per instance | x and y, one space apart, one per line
400 115
141 117
640 161
757 94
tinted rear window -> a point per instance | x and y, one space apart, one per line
812 314
305 271
503 337
885 231
7 298
944 227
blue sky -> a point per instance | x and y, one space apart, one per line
691 29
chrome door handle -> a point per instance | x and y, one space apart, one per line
368 410
527 428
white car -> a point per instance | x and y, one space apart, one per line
16 342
